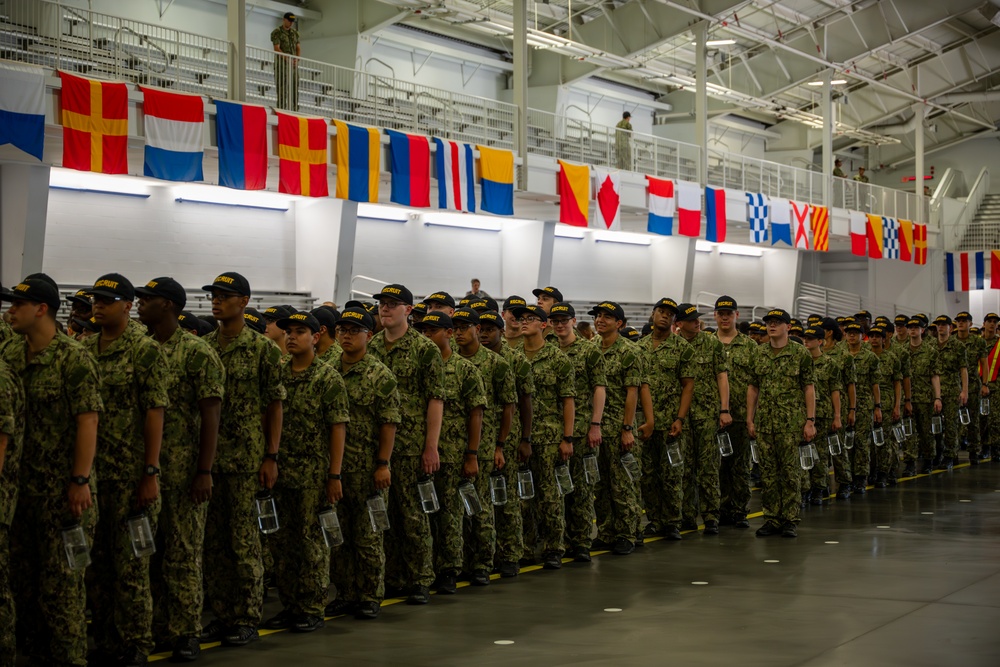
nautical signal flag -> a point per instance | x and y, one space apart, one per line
859 233
906 240
995 269
820 223
302 153
800 213
662 206
715 215
241 132
358 156
608 212
781 221
573 188
410 167
965 270
22 110
874 234
95 125
456 176
920 244
757 215
890 238
496 172
174 124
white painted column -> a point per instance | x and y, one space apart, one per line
701 100
521 89
526 248
827 138
782 271
24 202
325 230
672 264
236 16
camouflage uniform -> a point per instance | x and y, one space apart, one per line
553 375
848 377
11 425
134 380
976 349
317 401
734 472
510 537
953 357
234 571
866 365
887 456
702 457
357 567
781 377
417 365
906 372
588 373
616 497
925 363
6 333
991 433
60 382
464 392
498 381
195 373
827 379
286 75
667 365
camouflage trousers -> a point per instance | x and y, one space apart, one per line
446 523
971 432
234 570
662 484
357 567
780 476
51 598
302 563
548 509
8 615
921 444
817 478
701 472
118 582
616 497
887 456
734 473
859 457
510 537
949 440
409 552
991 438
479 531
175 570
579 505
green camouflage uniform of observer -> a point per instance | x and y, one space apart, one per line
464 392
925 363
734 471
827 379
417 365
286 73
60 382
953 357
357 567
194 373
976 348
509 520
890 371
12 426
623 144
134 379
701 456
317 401
848 377
234 570
866 366
781 377
667 365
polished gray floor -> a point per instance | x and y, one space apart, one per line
906 576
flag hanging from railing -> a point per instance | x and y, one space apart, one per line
758 215
906 240
662 206
995 269
715 215
820 223
965 271
573 188
241 132
22 110
496 172
175 123
781 221
302 153
859 233
920 244
890 238
800 214
95 125
358 157
456 177
608 212
410 168
874 234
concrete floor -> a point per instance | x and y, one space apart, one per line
907 576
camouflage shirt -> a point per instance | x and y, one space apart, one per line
668 363
976 348
317 399
464 392
740 354
588 371
827 380
953 357
709 361
332 354
524 383
990 342
498 379
848 371
6 333
286 40
623 370
866 365
253 381
373 400
11 425
890 372
418 367
552 372
925 363
781 377
134 379
194 373
59 383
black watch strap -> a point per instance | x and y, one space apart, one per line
381 462
272 456
204 471
472 452
332 477
152 471
80 480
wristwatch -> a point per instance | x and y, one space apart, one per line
569 438
595 423
204 471
501 444
526 439
627 427
152 471
80 480
381 462
723 412
273 457
472 452
332 477
878 406
810 419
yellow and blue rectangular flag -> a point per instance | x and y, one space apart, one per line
496 171
358 158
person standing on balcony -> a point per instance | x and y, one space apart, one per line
860 176
838 169
286 70
623 142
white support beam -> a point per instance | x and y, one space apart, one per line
701 100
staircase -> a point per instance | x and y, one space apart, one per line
984 232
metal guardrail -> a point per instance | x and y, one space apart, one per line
964 233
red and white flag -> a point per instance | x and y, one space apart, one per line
607 192
800 211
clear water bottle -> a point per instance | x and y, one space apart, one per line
815 453
267 512
897 433
908 426
964 418
76 546
674 456
754 451
631 466
140 535
525 483
470 499
332 534
377 513
564 480
591 471
806 456
428 494
833 444
984 406
498 488
937 424
724 442
878 435
849 436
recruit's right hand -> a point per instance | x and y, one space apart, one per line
79 499
334 490
751 429
383 478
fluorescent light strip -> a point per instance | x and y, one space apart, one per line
70 179
113 193
704 246
196 193
625 238
570 233
387 213
183 200
460 221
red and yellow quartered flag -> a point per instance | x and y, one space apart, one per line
95 125
820 223
919 244
302 155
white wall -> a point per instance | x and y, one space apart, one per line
739 277
968 157
588 270
437 72
719 138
